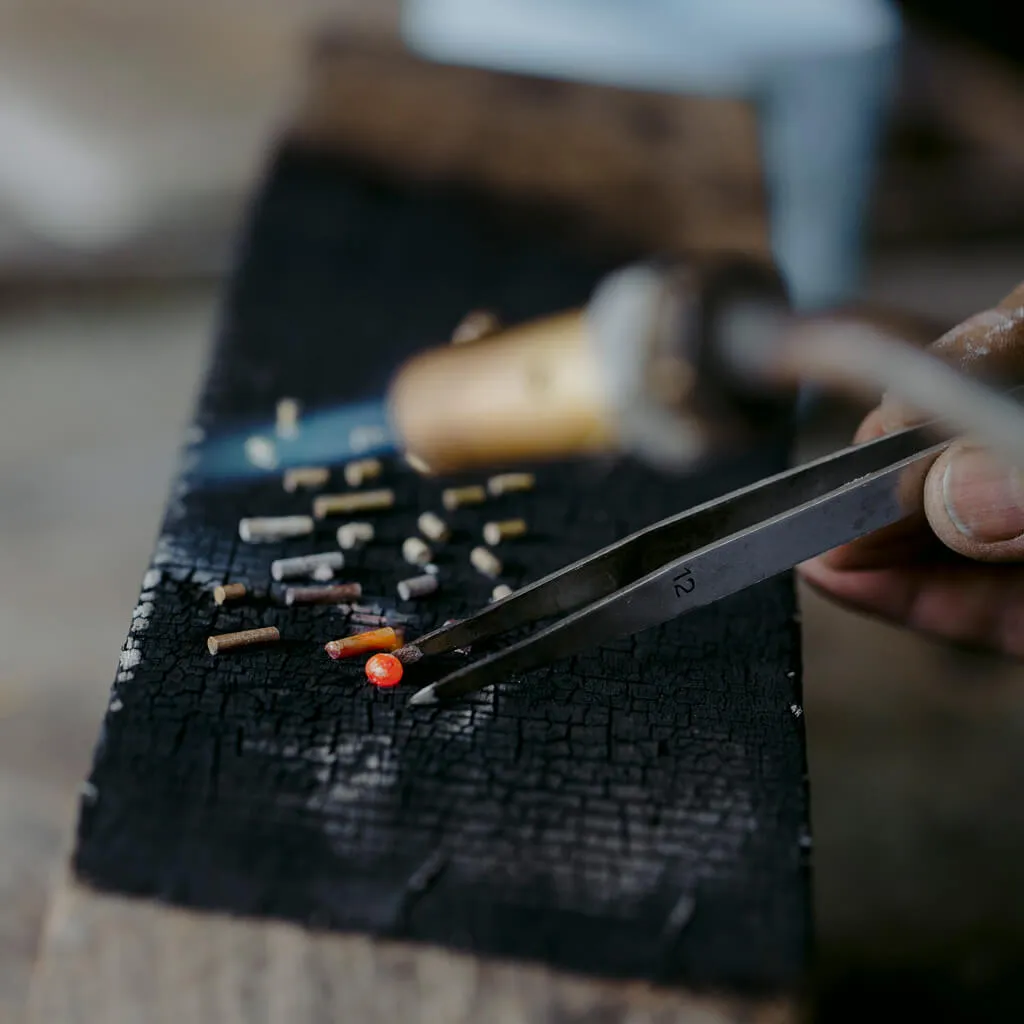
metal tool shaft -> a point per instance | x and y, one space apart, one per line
741 539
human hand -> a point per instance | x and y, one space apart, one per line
955 567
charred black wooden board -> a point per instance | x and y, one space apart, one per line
637 811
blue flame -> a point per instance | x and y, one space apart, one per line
325 437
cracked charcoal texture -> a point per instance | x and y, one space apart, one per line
639 810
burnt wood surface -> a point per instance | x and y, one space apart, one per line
637 811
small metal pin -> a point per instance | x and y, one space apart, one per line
416 587
307 477
359 472
417 464
337 594
355 501
507 483
366 619
229 592
383 639
245 638
415 551
261 452
267 529
287 421
485 561
455 497
354 535
307 565
475 325
390 616
506 529
433 527
368 609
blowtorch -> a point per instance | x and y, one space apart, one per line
671 363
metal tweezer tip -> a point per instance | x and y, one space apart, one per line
425 696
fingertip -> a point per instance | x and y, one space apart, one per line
888 593
824 577
840 559
871 427
975 505
902 543
894 415
814 570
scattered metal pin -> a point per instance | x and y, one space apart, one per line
485 561
368 609
375 615
366 619
506 529
416 587
433 527
396 618
307 565
356 501
308 477
354 535
475 325
228 592
455 497
261 452
508 483
245 638
267 529
287 424
417 464
415 551
357 473
337 594
384 639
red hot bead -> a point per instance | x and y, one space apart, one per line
384 670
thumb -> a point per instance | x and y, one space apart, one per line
975 504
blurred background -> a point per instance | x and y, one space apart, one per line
876 149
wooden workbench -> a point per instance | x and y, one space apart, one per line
112 958
124 961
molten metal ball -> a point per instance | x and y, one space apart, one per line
384 670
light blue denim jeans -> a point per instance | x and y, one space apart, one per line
820 75
821 120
